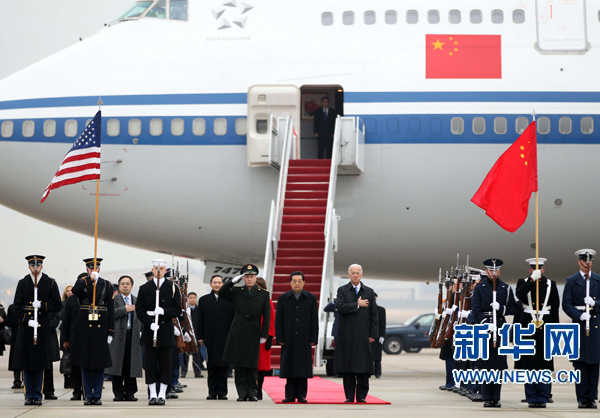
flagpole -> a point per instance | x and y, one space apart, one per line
537 249
99 103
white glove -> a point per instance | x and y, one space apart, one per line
463 314
187 338
154 326
159 311
495 306
589 301
32 323
94 275
448 311
492 328
536 275
188 311
37 304
237 278
110 338
263 340
584 316
176 331
381 340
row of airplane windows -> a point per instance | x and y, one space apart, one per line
565 125
433 17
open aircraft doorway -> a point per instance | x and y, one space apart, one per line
311 96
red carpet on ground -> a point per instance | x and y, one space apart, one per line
320 391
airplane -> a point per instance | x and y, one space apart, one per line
186 136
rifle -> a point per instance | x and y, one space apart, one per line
587 294
445 316
438 312
458 295
35 310
494 335
192 346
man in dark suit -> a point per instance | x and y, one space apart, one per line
67 334
378 343
324 127
359 327
576 303
251 304
212 321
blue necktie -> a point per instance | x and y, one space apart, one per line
128 313
356 288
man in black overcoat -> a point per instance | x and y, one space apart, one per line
359 327
94 330
12 322
297 331
378 343
212 322
34 358
549 305
67 334
324 127
250 304
158 360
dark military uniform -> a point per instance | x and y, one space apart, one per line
243 341
34 359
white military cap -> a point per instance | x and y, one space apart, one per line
541 262
159 263
583 254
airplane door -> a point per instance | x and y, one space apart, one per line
561 26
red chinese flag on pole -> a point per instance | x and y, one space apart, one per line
463 56
506 190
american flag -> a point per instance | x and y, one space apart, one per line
82 162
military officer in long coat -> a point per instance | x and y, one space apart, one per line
94 330
574 304
378 343
358 328
33 357
297 331
158 356
483 308
537 394
67 334
213 321
250 304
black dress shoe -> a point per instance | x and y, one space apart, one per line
211 398
259 396
488 404
97 401
242 399
302 400
541 405
117 399
171 395
582 405
532 404
592 405
288 400
349 401
16 386
50 397
443 387
497 404
130 399
152 401
253 399
377 376
223 398
524 400
88 401
37 402
28 401
550 400
76 397
361 400
161 401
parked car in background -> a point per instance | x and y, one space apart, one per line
411 336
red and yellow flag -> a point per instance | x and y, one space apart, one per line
506 190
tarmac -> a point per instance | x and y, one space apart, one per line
409 381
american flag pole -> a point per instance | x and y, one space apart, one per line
96 221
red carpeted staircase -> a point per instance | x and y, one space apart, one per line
302 242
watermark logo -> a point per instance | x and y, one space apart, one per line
561 340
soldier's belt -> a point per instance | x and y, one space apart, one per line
92 308
582 308
28 308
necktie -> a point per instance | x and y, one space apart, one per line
128 313
356 288
325 113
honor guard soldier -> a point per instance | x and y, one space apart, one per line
94 329
492 301
36 297
539 311
158 302
250 305
582 291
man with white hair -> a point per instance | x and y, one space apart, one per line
358 328
157 304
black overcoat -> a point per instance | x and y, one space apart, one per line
527 287
377 347
243 341
296 327
89 347
170 301
12 322
212 320
29 356
68 317
353 353
53 336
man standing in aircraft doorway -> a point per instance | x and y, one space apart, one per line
324 128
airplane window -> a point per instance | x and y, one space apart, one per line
156 127
135 127
478 126
497 16
7 128
587 125
433 16
262 125
177 127
50 128
327 18
348 18
454 16
435 126
543 125
240 126
370 126
113 127
565 125
199 127
392 126
519 16
220 126
369 17
178 10
391 17
71 127
457 125
500 125
414 126
28 128
521 124
135 10
159 11
412 17
476 16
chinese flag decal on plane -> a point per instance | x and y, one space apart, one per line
463 56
